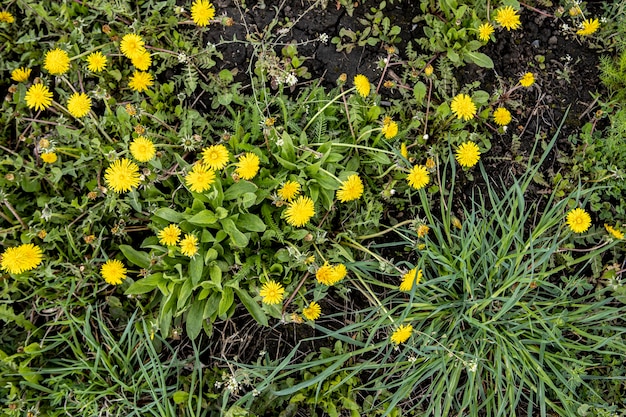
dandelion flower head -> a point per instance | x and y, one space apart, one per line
418 177
484 31
411 278
170 235
578 220
502 116
200 178
49 157
300 211
142 149
463 107
272 292
615 233
313 311
468 154
289 190
132 45
527 79
96 62
19 75
79 104
6 17
328 274
142 60
38 97
351 189
140 81
248 166
215 156
588 27
508 18
21 258
113 272
402 334
390 128
362 85
202 11
122 175
404 151
189 245
56 62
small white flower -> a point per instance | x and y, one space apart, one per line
425 137
291 80
280 142
255 392
182 58
472 365
323 38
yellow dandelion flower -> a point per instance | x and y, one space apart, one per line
19 75
170 235
502 116
338 273
202 11
300 211
189 245
484 31
49 157
428 70
215 156
418 177
142 149
6 17
390 128
324 274
140 81
615 233
21 258
508 18
351 189
79 104
575 10
463 107
96 62
200 178
578 220
422 230
38 97
113 272
272 292
527 79
142 60
362 85
404 151
402 334
56 62
248 166
122 175
313 311
132 45
468 154
411 278
588 27
289 190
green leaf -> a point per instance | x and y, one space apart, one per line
479 59
180 397
238 239
194 319
195 268
253 308
145 285
170 215
141 259
250 222
239 189
204 218
419 92
226 301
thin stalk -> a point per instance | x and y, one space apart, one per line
320 111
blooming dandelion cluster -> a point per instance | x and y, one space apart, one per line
329 275
390 128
